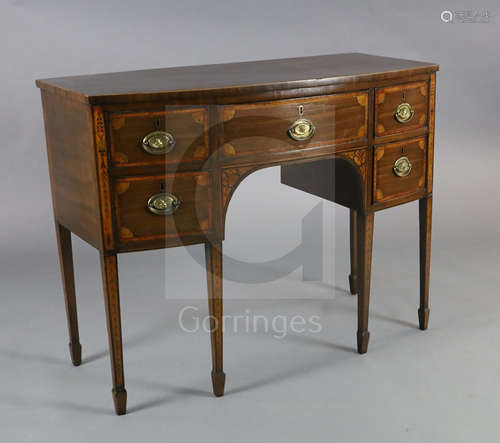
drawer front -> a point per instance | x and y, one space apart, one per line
137 206
399 169
401 108
161 137
264 127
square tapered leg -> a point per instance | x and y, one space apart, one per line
113 321
365 242
68 280
213 260
425 220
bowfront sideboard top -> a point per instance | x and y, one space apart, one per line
226 82
151 159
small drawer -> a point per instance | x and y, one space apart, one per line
401 108
165 206
288 125
162 137
399 169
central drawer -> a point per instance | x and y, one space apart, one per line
266 127
166 206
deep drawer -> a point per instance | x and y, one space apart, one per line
142 206
401 108
399 169
161 137
264 127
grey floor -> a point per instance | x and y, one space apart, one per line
441 385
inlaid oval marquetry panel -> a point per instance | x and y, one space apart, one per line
188 127
262 128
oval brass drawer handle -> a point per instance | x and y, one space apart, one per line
163 203
402 167
301 129
404 113
158 142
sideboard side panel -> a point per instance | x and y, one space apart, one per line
71 156
430 141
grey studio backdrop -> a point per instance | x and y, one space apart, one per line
441 385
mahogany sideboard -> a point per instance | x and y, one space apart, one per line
150 159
